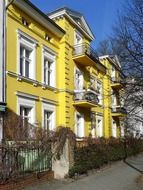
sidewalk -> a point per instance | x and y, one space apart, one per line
119 176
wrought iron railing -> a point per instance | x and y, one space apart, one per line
86 95
85 48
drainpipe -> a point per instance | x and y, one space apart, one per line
2 67
3 8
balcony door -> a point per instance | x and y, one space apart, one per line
113 73
79 80
78 44
114 102
79 125
114 128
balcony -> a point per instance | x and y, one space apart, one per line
116 83
85 98
85 55
119 111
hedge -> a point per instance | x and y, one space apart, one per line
99 152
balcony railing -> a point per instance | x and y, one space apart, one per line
85 55
115 80
119 109
85 48
116 83
86 96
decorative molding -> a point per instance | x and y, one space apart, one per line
47 49
22 78
25 95
63 13
22 34
34 82
48 101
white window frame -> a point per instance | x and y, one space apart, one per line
27 103
49 108
51 57
30 44
78 45
114 128
113 72
93 121
78 88
114 100
78 34
82 132
92 77
101 127
100 96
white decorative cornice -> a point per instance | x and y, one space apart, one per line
45 100
47 49
22 34
63 13
25 95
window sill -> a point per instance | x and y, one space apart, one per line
45 86
35 83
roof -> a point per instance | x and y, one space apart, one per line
112 58
76 18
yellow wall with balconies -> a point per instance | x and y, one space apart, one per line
61 96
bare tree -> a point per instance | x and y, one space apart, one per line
127 43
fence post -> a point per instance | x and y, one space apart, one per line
61 166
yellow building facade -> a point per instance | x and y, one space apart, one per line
53 76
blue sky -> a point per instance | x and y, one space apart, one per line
100 14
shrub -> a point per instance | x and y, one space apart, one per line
97 152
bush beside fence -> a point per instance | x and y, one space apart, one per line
94 153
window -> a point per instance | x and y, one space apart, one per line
78 43
92 82
49 116
114 129
47 72
25 113
99 126
49 68
79 81
25 22
93 123
99 89
26 55
26 109
25 61
79 122
114 100
48 120
113 72
78 38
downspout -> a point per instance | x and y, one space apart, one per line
3 66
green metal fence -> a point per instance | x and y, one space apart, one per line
18 161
